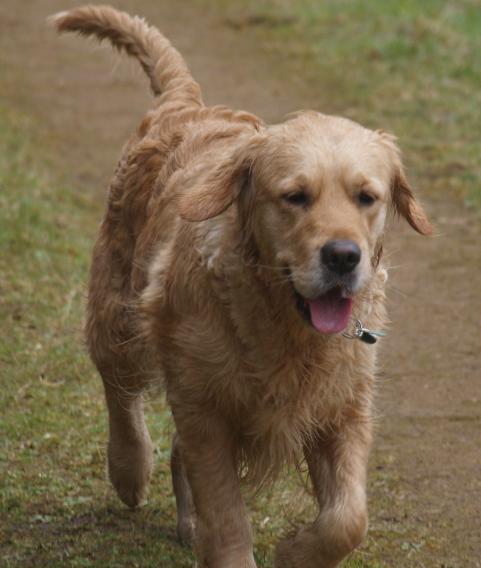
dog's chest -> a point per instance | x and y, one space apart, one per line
285 397
283 406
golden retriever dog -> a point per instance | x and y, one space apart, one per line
231 258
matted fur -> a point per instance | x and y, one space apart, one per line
189 286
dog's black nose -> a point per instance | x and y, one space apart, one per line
341 256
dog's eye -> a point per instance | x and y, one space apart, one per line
366 198
296 198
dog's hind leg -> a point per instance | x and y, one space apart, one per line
183 496
130 448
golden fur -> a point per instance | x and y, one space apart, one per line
189 285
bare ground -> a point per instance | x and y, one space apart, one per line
425 483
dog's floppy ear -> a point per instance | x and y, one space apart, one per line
403 199
407 205
209 188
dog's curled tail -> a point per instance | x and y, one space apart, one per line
168 73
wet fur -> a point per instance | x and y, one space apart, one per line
185 290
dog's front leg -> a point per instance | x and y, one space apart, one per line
337 467
223 536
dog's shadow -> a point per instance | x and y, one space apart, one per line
106 534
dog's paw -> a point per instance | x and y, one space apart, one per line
129 471
186 531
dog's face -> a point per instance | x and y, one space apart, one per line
314 193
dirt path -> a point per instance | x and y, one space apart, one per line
425 481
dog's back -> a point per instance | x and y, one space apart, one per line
141 209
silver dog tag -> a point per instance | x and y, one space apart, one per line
364 334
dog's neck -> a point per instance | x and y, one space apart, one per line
258 294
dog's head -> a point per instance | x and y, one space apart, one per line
313 193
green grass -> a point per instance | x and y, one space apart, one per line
55 504
409 67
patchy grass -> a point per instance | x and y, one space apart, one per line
409 67
56 506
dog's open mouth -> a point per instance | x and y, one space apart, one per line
328 313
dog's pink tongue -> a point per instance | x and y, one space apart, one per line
330 313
